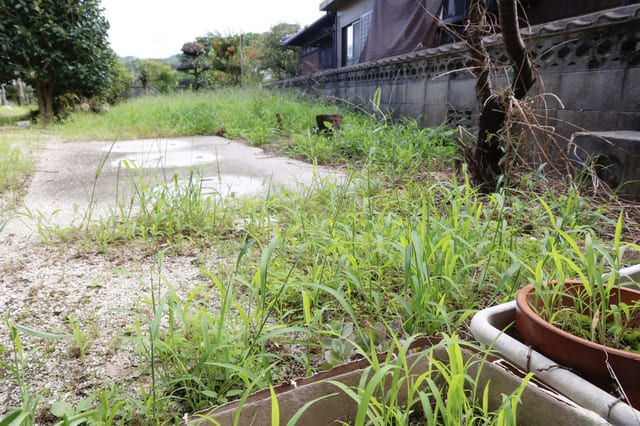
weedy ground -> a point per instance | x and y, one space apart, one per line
296 281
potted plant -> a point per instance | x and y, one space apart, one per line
590 325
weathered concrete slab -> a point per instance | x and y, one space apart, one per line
74 178
613 156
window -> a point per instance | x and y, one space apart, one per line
354 37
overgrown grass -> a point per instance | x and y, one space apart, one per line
16 166
251 116
16 157
247 115
11 113
403 247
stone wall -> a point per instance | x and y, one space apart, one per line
590 63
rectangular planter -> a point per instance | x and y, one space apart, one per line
539 404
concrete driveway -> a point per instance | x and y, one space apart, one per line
72 177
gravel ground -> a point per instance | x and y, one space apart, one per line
50 288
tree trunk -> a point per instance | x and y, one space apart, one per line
45 100
485 162
3 95
20 91
513 43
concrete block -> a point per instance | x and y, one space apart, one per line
415 91
398 93
628 121
409 110
571 121
592 90
613 156
435 115
437 90
462 93
631 92
547 89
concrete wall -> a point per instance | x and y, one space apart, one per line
591 63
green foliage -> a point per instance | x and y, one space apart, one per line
218 61
15 164
10 114
447 392
56 46
277 61
154 75
215 60
121 82
596 265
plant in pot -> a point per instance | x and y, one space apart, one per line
590 324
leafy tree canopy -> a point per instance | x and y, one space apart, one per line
154 75
121 82
217 60
194 61
56 46
276 60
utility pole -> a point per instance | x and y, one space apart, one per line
242 59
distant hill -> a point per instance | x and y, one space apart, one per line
171 60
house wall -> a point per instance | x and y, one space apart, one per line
348 13
589 77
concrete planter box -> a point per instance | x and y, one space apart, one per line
494 327
539 404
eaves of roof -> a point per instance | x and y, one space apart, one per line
318 29
332 5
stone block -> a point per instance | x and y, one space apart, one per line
613 156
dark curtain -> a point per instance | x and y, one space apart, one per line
400 26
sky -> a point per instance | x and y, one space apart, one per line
159 28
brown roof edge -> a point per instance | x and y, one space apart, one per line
331 5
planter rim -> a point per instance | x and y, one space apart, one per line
523 304
489 326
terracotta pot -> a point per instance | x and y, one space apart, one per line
334 119
587 358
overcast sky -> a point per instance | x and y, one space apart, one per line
159 28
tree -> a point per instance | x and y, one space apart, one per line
486 160
56 46
235 58
155 75
276 60
195 61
